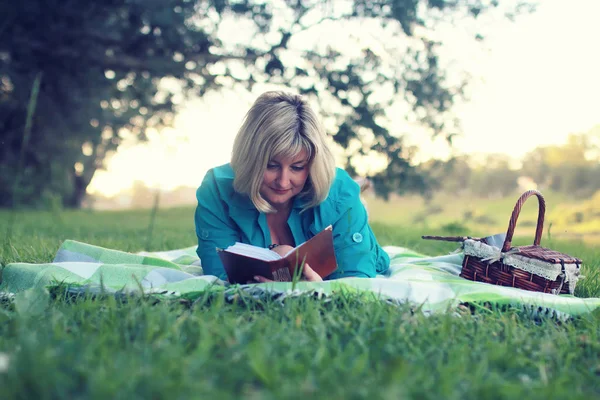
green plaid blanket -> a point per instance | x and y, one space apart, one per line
430 283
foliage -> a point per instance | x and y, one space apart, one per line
463 175
114 69
494 179
570 168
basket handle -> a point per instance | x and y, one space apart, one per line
515 215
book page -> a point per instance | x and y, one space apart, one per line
253 251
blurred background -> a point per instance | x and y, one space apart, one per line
452 108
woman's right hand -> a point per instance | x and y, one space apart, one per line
310 275
307 272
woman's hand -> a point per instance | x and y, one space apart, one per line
307 272
310 275
282 249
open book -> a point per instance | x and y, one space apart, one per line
243 261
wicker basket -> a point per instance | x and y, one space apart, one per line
532 267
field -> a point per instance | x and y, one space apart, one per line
348 347
565 218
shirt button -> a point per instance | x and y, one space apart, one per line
357 237
204 234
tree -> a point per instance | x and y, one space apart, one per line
494 177
452 176
113 69
569 168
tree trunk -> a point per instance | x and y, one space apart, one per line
78 193
80 184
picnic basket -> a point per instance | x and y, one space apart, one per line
530 267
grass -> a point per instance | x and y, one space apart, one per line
348 347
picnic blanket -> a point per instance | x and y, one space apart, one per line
431 284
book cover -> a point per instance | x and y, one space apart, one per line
242 261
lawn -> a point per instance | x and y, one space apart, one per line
345 347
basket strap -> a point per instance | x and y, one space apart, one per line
515 215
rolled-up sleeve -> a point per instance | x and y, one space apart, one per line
214 228
357 252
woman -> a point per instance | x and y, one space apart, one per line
280 189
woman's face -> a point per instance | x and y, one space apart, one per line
283 179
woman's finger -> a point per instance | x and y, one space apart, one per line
310 274
261 279
282 249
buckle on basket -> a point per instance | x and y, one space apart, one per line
562 276
500 256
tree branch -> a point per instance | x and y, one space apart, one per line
124 61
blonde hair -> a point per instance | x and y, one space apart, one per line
281 124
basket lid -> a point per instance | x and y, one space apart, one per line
547 255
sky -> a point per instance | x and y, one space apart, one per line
535 81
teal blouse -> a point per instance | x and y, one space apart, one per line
224 217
